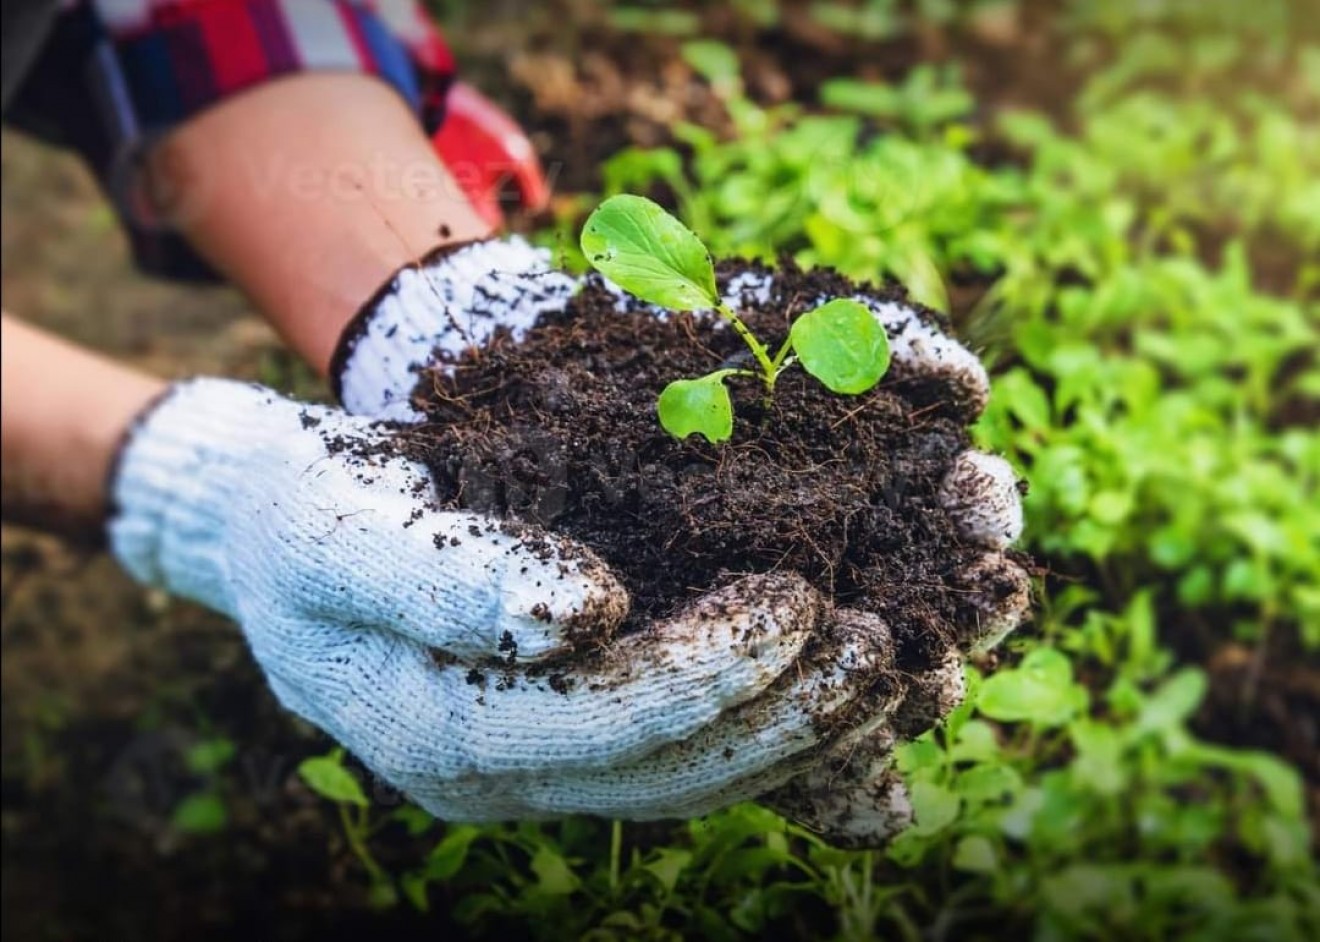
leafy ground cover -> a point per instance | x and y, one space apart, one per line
1120 204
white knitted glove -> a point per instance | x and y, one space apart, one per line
452 299
470 667
457 298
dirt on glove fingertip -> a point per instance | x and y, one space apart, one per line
560 430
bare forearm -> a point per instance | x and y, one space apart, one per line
63 413
308 193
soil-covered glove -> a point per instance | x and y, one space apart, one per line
459 297
853 796
454 298
468 664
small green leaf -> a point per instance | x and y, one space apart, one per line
975 854
934 807
448 856
1173 701
1192 884
1282 783
842 345
200 813
871 98
988 783
976 742
920 754
647 252
554 877
697 405
414 820
382 894
414 886
1040 690
716 62
209 755
668 865
327 776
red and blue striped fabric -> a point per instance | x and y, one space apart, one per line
175 57
116 74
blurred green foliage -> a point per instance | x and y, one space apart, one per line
1144 276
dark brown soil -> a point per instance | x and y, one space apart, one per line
561 430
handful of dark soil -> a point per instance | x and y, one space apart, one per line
560 429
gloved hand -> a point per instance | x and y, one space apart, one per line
452 299
852 794
847 791
486 151
468 664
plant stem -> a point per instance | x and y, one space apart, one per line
758 349
616 854
857 916
354 832
868 889
782 354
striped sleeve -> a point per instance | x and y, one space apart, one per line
116 74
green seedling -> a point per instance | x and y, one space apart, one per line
650 254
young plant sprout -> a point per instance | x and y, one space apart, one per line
650 254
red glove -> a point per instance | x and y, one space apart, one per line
483 147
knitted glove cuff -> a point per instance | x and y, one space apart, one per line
176 476
436 308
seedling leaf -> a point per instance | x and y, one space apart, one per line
200 813
842 345
327 776
934 807
650 254
209 756
1040 690
697 405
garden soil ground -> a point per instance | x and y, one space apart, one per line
106 686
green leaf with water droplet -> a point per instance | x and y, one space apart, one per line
842 345
645 251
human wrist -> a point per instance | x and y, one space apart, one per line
174 482
329 184
65 412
